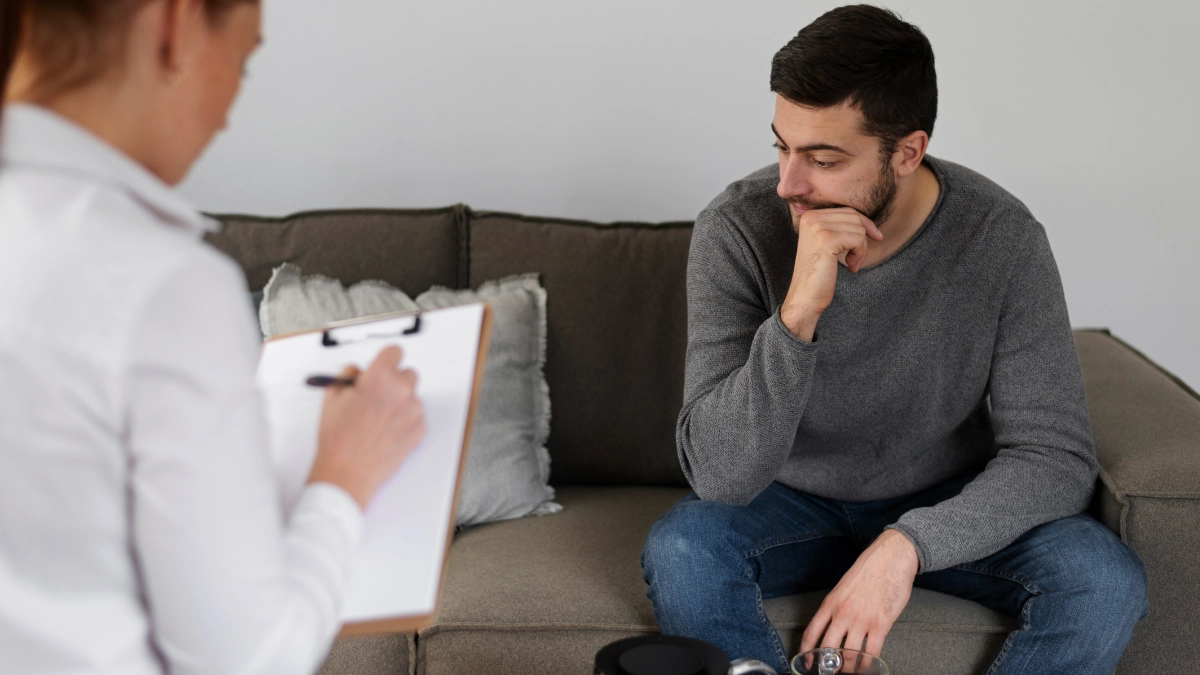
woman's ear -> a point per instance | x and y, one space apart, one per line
179 24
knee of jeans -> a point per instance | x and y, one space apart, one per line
694 534
1113 577
1128 579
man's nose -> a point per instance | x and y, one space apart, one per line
793 178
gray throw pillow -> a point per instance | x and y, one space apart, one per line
294 302
508 466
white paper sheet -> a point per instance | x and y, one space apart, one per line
398 567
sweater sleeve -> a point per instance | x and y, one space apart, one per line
1045 464
747 377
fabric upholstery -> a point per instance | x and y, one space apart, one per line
617 333
1146 422
410 249
372 655
1147 428
542 595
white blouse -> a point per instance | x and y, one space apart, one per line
141 529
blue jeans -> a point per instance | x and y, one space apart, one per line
1075 589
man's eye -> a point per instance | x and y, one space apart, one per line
779 147
824 165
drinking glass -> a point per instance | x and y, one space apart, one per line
830 661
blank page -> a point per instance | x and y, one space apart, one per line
397 571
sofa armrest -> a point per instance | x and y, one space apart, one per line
1146 424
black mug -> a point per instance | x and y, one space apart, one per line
671 655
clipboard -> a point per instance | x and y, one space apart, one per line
398 572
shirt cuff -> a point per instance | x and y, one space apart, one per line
916 542
338 506
782 328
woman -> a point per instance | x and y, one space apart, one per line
140 529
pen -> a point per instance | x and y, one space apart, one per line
329 381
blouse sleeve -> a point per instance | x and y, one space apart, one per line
232 584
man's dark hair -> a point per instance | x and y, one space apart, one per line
866 56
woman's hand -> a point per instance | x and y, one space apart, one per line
368 429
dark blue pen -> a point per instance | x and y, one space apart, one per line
329 381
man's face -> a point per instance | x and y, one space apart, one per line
826 161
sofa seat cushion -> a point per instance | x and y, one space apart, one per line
542 595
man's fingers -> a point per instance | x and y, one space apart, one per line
875 642
857 255
835 634
855 638
849 246
872 231
816 628
847 210
832 217
850 227
840 215
847 233
857 217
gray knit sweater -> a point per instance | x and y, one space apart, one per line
954 352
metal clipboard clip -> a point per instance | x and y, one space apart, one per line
329 341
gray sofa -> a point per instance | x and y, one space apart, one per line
541 595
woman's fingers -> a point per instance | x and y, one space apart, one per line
407 379
387 360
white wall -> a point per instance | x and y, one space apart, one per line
646 109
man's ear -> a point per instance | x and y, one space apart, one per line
909 154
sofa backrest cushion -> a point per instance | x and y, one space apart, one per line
617 310
617 333
411 249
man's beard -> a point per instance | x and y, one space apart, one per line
879 204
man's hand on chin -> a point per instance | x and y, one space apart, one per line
868 599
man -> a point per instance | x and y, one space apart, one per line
882 390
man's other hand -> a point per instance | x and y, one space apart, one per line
868 599
827 237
